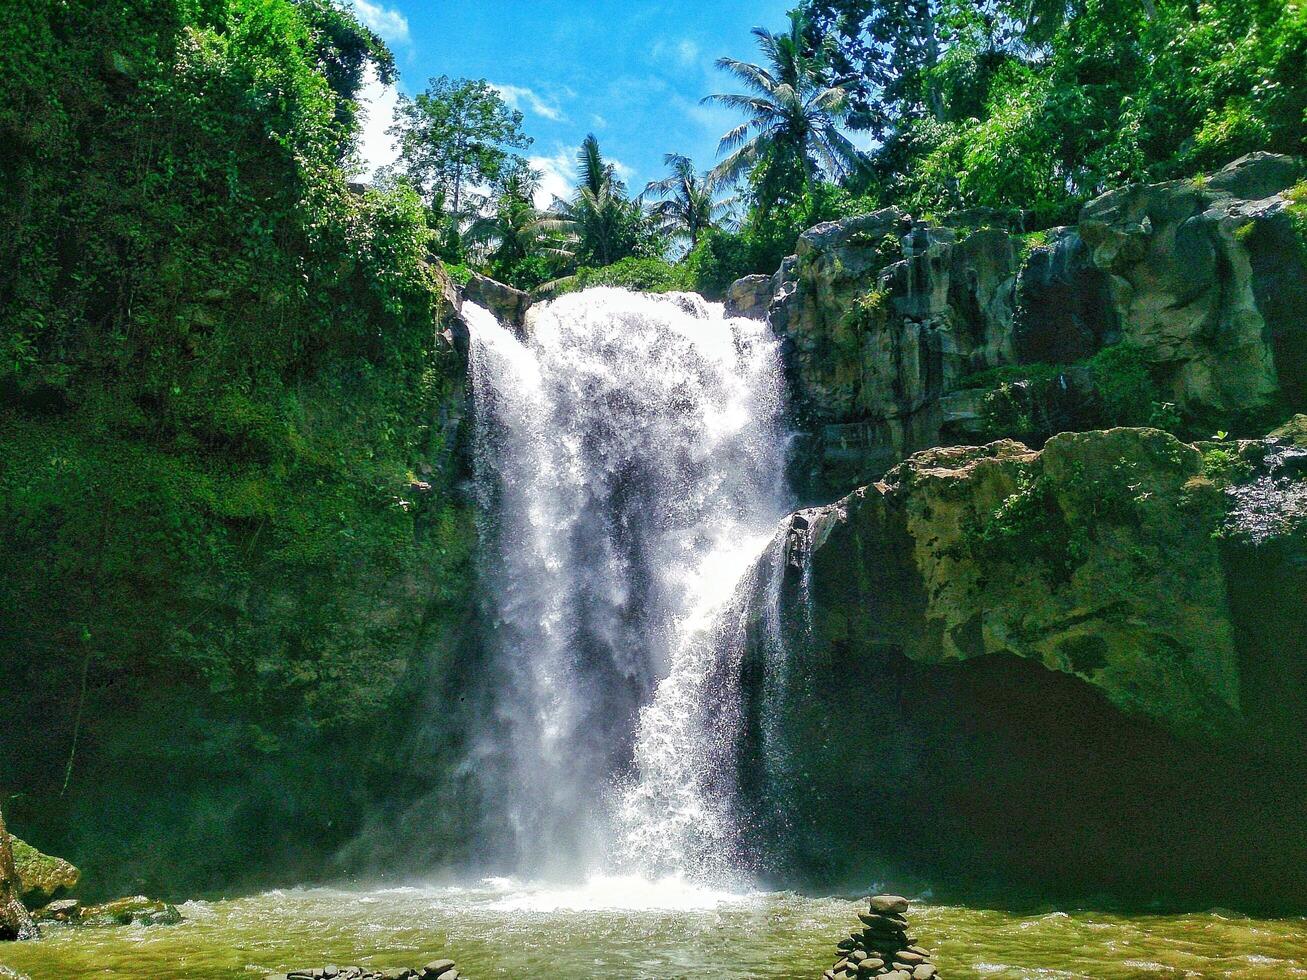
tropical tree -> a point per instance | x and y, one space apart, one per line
609 225
888 50
686 203
795 111
516 232
456 135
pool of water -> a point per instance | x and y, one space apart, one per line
623 929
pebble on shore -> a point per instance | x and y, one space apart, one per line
436 970
883 947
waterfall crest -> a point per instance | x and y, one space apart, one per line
629 460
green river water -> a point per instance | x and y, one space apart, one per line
620 928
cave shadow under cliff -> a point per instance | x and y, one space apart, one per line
997 781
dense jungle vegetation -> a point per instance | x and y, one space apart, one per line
220 366
1026 110
228 496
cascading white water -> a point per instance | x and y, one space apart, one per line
630 461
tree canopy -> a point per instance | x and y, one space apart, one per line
455 136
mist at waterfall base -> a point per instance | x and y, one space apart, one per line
629 463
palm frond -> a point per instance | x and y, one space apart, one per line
754 76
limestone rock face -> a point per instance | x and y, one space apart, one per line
1064 310
1089 558
750 296
884 316
1182 280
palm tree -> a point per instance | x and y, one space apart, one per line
601 213
517 229
687 206
794 115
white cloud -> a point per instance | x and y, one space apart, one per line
683 52
520 97
386 21
558 176
377 108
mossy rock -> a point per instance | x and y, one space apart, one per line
137 910
1295 431
41 877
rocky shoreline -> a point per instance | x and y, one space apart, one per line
437 970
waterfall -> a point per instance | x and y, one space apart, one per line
629 459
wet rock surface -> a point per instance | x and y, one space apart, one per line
883 947
137 910
509 305
37 877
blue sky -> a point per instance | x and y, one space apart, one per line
630 72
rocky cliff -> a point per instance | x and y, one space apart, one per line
900 328
1048 668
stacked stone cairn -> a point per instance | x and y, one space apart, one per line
438 970
883 948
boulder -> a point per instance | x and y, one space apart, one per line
1064 656
1082 558
1258 175
1294 431
750 297
42 877
137 910
888 904
505 302
63 910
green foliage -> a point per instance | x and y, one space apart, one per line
456 135
220 367
718 260
1043 105
607 224
1224 466
869 309
1127 391
794 112
686 204
1027 527
1029 243
640 274
1297 209
523 245
458 272
1031 402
